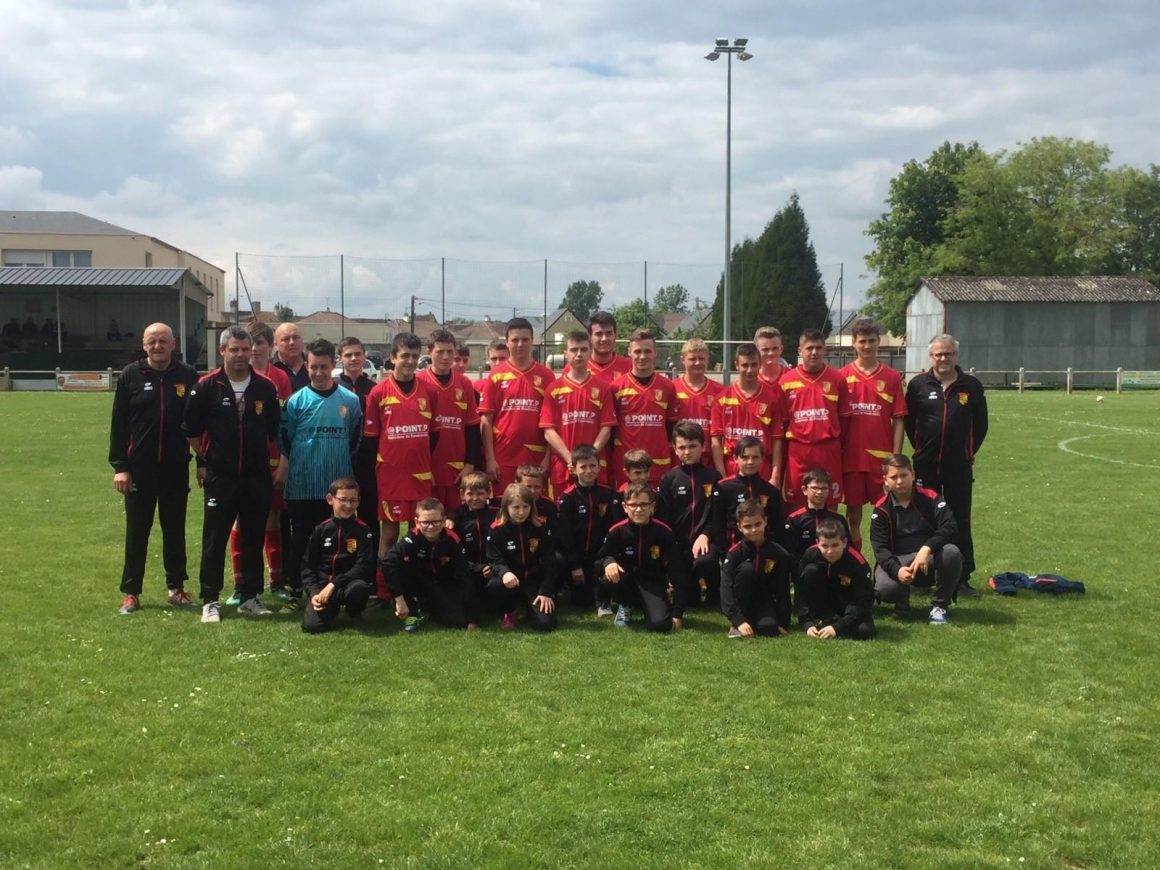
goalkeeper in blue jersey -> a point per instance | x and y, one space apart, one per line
321 427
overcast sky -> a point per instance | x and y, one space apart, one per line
497 134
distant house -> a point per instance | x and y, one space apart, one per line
1041 324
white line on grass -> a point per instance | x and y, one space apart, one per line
1065 446
1080 423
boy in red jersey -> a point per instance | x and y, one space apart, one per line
497 352
817 404
696 394
509 409
875 427
605 362
458 422
401 418
578 410
748 407
768 341
646 409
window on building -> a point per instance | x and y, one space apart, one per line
72 258
26 258
149 261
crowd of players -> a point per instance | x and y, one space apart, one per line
609 486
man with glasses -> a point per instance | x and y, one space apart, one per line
946 422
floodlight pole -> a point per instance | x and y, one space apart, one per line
722 46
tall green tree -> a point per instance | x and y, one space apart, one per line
922 196
1051 207
283 313
583 297
776 280
674 297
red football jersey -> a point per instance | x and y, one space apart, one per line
761 415
876 400
456 410
696 405
402 423
643 413
281 382
815 404
514 399
577 411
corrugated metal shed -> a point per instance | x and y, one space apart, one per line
58 223
1090 288
24 276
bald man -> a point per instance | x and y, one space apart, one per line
291 355
150 459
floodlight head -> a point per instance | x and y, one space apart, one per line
745 55
722 42
741 42
713 55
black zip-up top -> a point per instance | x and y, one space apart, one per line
752 575
685 501
145 434
587 511
298 379
801 528
850 586
730 492
234 445
648 554
338 552
946 427
472 528
896 530
525 549
414 562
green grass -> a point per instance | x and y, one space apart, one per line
1024 734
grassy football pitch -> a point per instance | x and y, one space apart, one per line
1023 734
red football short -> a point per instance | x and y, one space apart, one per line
861 488
806 457
394 510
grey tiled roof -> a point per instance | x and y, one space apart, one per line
31 276
1114 288
62 222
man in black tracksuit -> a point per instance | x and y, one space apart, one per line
638 560
914 535
150 459
684 503
231 419
428 569
338 565
755 579
836 595
946 422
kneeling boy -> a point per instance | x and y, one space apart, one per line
338 566
835 583
755 578
427 573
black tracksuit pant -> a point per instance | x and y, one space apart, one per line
649 595
354 596
246 499
164 491
955 484
305 515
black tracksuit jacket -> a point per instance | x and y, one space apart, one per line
145 433
338 552
928 509
730 492
946 428
235 447
685 501
761 569
849 586
649 554
526 550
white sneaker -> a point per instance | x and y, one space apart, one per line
211 613
604 610
254 607
938 616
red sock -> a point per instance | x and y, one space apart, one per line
273 548
236 554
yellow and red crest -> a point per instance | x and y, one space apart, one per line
770 564
843 580
654 551
962 398
343 410
422 404
880 385
658 394
458 393
259 406
537 380
826 387
596 392
707 488
351 545
762 407
534 544
763 499
180 389
443 560
602 509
